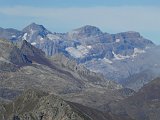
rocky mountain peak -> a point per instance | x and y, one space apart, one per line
85 31
33 27
33 32
90 30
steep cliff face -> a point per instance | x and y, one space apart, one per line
11 57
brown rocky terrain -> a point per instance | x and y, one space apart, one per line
38 105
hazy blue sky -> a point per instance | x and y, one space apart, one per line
110 16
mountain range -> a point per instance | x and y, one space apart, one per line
84 74
24 67
119 57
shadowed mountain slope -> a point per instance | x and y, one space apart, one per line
143 105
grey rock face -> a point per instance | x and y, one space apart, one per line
11 56
33 31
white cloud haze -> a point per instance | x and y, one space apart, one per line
139 18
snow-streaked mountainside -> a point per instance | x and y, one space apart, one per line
118 56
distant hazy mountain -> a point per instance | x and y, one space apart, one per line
119 57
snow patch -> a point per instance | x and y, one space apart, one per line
119 57
24 36
33 43
41 39
89 46
107 60
74 52
137 52
78 52
52 37
82 49
13 36
118 40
